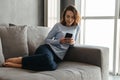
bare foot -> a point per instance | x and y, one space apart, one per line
10 64
14 60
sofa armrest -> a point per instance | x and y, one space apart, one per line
94 55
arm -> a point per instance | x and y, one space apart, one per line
51 35
98 56
56 35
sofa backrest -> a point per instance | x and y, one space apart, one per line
36 37
21 40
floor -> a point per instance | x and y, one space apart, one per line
114 77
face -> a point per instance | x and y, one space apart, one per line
69 18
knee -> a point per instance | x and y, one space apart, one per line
53 67
52 64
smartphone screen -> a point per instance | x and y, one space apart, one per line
68 35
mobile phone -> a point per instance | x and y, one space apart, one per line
68 35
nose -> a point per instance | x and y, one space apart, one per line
70 19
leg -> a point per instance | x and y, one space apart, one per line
14 65
42 60
13 62
17 60
39 63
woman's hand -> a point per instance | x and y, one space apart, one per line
67 41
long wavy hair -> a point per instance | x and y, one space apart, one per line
76 15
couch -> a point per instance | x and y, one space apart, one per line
81 62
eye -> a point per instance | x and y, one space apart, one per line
73 17
67 16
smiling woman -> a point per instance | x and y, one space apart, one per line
55 47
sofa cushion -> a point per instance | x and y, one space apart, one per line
19 74
36 36
75 71
14 41
65 71
1 54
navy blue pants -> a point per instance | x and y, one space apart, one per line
43 59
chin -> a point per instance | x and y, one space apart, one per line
69 24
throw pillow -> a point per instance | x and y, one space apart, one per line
12 24
14 40
1 54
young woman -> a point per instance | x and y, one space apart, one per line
47 56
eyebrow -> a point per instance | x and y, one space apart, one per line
71 16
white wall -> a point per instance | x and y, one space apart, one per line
19 12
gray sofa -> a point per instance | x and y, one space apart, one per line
80 63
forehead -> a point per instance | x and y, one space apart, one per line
69 13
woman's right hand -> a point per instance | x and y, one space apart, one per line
62 41
67 41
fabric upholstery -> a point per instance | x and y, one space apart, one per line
14 40
80 62
4 25
65 71
1 54
36 36
12 24
94 55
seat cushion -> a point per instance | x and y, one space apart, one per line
20 74
14 41
75 71
65 71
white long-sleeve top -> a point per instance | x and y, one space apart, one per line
58 32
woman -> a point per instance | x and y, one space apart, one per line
47 56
